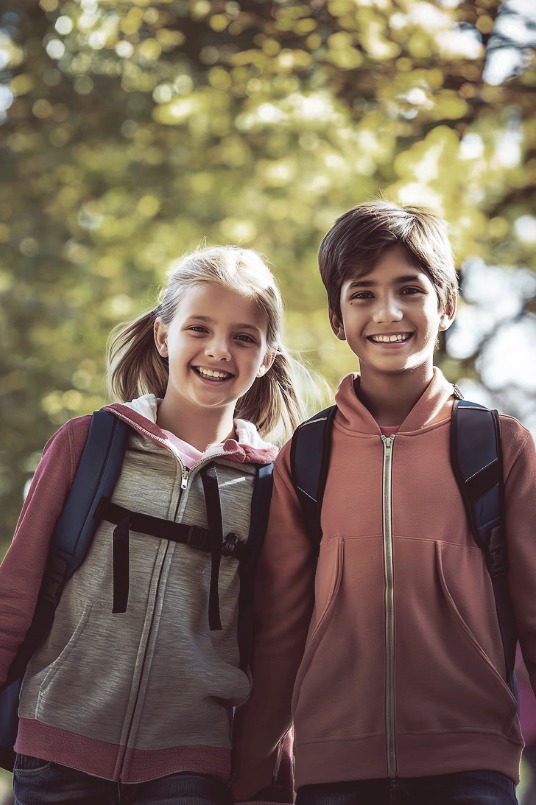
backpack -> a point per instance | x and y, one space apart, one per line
476 459
88 502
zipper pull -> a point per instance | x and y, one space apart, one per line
184 478
388 443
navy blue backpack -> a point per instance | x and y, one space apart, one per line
88 502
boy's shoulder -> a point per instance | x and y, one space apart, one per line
515 438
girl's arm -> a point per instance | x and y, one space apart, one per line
284 598
23 566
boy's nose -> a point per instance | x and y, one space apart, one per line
387 309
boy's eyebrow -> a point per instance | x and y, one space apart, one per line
365 283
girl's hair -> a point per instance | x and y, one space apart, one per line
136 367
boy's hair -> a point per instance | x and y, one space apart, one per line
359 237
136 367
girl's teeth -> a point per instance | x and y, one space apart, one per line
212 373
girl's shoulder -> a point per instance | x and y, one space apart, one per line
72 433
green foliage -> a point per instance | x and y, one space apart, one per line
139 129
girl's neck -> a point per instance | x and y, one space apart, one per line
200 428
390 398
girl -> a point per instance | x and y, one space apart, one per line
133 704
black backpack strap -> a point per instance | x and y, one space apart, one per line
476 456
260 507
309 461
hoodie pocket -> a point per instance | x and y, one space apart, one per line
448 648
54 669
487 665
327 585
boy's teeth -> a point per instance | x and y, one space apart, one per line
212 373
386 339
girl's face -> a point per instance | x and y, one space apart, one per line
216 347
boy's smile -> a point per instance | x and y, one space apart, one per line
391 316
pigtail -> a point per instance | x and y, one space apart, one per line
135 366
275 403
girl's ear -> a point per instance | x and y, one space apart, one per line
267 362
447 316
337 326
160 337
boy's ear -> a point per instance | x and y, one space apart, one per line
448 315
337 326
160 337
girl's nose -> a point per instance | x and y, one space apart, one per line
387 309
218 350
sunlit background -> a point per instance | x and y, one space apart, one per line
131 132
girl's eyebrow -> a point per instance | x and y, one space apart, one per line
238 325
364 283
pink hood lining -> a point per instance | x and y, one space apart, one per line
240 452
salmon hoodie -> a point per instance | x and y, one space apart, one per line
386 654
134 695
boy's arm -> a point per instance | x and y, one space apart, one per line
24 563
283 603
520 516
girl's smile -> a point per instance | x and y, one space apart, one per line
212 375
216 346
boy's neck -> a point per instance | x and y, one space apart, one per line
390 398
199 428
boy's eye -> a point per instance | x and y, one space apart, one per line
361 295
411 290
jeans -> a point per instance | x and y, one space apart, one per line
463 788
39 782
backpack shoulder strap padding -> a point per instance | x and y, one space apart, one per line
260 507
309 461
96 475
476 457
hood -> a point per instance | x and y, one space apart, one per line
248 448
434 405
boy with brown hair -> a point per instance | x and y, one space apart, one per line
386 653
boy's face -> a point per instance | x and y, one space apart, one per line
391 316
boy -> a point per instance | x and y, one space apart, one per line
386 653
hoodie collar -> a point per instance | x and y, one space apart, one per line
249 447
434 405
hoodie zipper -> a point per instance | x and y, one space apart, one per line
389 607
185 473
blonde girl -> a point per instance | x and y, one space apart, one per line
130 698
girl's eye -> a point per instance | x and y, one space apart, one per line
198 328
244 337
409 291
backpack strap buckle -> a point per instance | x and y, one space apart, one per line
53 580
233 546
496 555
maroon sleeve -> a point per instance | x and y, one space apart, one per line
22 568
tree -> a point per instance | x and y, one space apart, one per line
132 131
